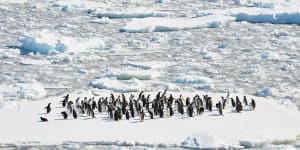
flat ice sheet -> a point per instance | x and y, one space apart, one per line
175 24
270 122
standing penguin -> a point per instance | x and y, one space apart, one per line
232 102
245 100
127 115
190 110
116 115
220 109
48 108
252 104
201 109
65 115
142 114
151 114
74 114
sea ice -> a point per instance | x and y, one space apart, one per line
142 25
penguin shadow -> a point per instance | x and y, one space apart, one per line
184 117
214 115
89 118
136 121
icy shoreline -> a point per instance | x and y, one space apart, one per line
233 130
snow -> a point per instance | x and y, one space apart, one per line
69 5
263 15
174 24
268 3
13 1
270 122
103 20
138 12
113 84
202 82
44 42
31 90
149 64
128 73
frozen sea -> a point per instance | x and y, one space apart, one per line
49 48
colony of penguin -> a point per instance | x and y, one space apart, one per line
161 106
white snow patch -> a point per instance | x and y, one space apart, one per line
175 24
45 42
268 3
28 90
28 61
132 13
284 15
113 84
13 1
203 82
269 122
69 5
128 73
149 64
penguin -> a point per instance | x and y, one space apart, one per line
65 115
99 106
66 99
94 105
43 119
161 112
151 114
116 115
69 106
239 107
245 101
252 104
74 114
142 114
210 104
190 110
220 109
127 115
223 102
48 108
232 102
201 109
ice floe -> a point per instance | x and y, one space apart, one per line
233 130
149 64
113 84
128 73
30 90
132 13
45 42
173 24
202 82
68 5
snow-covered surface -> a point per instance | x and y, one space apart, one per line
28 90
45 42
13 2
256 53
149 64
132 13
174 24
269 123
128 73
113 84
68 5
